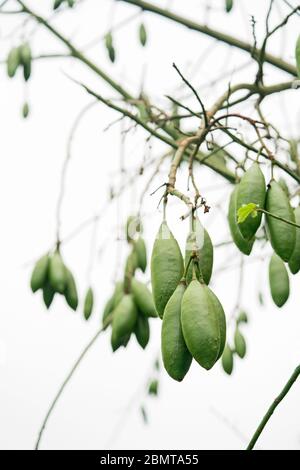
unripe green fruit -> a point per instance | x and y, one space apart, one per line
71 295
279 281
245 246
294 261
88 303
57 273
251 188
200 324
143 299
142 330
282 235
199 243
239 343
227 360
166 267
39 273
176 356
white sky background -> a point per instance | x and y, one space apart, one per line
100 407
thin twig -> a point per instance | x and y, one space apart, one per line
66 381
273 407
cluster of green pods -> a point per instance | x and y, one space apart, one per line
58 3
19 57
131 305
52 276
239 347
194 324
283 236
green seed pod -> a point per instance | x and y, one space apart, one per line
199 243
108 308
57 273
124 320
13 61
153 388
228 5
252 188
166 267
227 360
200 324
176 356
25 110
57 4
279 281
140 249
282 235
48 294
142 34
239 343
298 55
71 295
71 3
39 273
143 298
118 294
109 47
221 320
242 318
245 246
113 301
25 59
142 330
284 186
294 261
88 303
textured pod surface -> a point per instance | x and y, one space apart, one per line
48 294
39 273
142 34
141 253
124 319
166 267
282 235
13 61
252 188
57 273
88 303
71 294
176 356
199 241
221 320
143 298
279 281
227 360
245 246
200 324
239 343
142 330
294 261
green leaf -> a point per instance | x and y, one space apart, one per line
244 212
